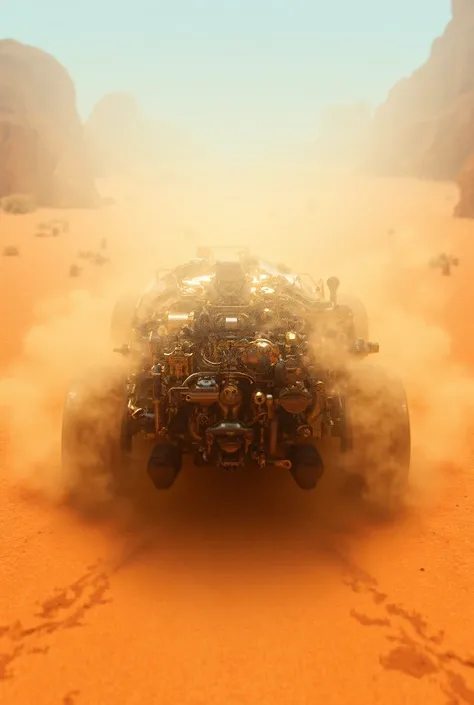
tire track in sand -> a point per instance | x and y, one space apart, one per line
415 650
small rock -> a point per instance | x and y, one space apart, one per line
74 270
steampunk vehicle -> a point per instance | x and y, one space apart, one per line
233 362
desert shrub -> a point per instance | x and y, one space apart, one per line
18 203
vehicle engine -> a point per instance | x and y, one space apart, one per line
235 363
238 361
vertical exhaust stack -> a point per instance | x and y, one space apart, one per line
333 286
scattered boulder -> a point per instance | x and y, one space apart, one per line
74 270
52 228
18 203
11 251
93 257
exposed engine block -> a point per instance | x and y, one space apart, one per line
236 365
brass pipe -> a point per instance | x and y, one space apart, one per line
156 404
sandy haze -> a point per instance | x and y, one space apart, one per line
239 589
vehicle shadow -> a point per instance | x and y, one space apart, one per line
257 516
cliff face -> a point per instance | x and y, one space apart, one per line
426 126
41 136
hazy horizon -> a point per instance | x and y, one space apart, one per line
243 77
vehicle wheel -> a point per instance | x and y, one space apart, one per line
307 466
379 424
94 459
164 465
361 318
122 316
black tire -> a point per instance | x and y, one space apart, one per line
164 465
380 436
122 317
94 461
361 318
307 466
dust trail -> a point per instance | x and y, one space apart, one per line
72 338
269 212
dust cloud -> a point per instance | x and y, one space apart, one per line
377 236
70 336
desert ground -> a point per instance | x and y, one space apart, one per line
240 589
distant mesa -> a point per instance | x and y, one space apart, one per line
41 136
124 141
114 134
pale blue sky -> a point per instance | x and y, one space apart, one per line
234 72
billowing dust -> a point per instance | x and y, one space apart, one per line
376 236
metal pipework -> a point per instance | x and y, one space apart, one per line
176 320
201 396
282 463
197 375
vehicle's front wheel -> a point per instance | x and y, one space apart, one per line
380 436
94 457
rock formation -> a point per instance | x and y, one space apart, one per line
116 134
123 140
426 126
465 181
41 136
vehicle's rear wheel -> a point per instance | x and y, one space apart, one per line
307 466
361 318
380 436
164 465
94 456
122 316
